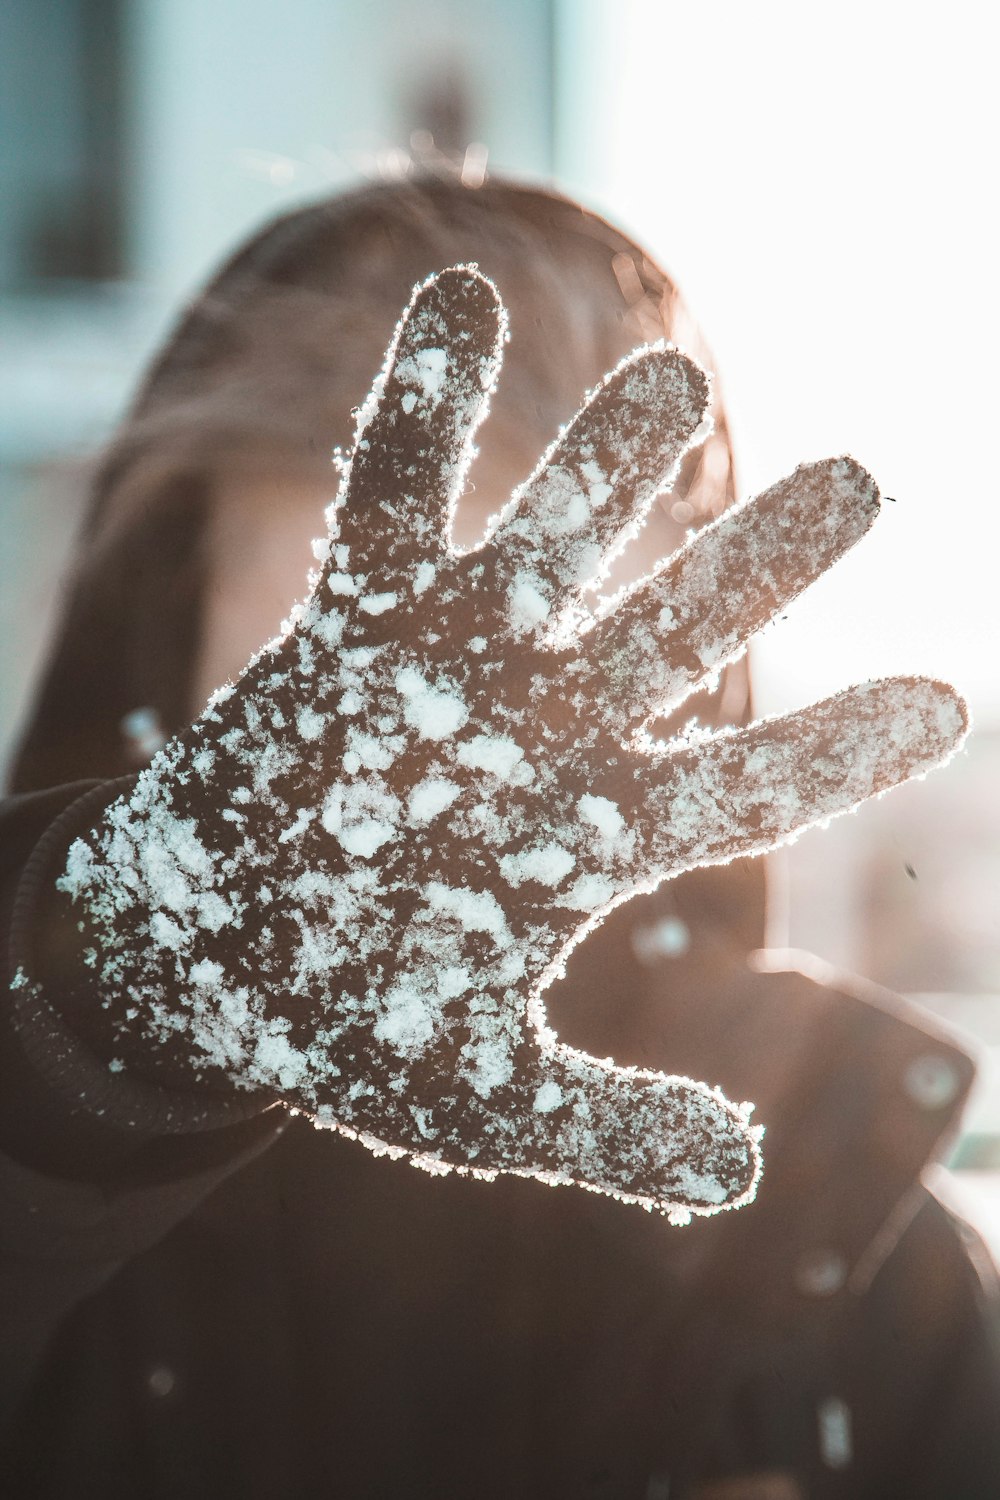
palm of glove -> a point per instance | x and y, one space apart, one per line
349 882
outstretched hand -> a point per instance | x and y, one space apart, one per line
350 881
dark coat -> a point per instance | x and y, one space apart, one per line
198 1305
263 1309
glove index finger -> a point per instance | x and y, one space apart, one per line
414 437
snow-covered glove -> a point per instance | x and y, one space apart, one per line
351 880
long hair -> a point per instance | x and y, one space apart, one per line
262 375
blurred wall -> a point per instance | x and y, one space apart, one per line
820 180
242 106
140 140
817 178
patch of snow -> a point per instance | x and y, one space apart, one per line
527 605
476 911
341 583
495 753
548 864
589 893
378 604
429 798
435 713
426 370
603 814
548 1096
309 723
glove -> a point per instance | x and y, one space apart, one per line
351 880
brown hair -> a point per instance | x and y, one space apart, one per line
264 370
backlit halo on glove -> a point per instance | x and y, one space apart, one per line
352 879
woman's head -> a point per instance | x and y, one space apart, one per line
209 496
269 362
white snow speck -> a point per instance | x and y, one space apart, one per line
377 604
365 837
604 814
548 1096
477 911
527 604
78 875
429 798
164 932
309 723
375 752
425 369
276 1058
599 490
303 818
435 713
341 583
490 752
328 627
362 817
548 864
409 1020
588 893
206 973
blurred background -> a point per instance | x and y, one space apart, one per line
816 179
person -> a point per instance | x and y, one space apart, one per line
204 1294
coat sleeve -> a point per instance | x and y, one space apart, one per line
92 1171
